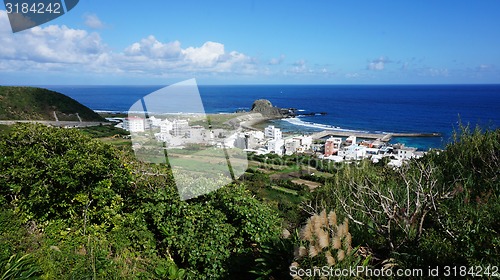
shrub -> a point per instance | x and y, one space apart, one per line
60 173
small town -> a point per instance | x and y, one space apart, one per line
327 145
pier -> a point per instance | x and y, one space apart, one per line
384 137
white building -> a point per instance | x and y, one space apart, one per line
166 126
134 124
353 152
292 145
297 144
180 127
351 140
248 140
272 132
405 153
276 146
305 141
153 121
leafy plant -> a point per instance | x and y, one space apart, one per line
19 267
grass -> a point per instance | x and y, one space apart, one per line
285 190
103 131
30 103
4 128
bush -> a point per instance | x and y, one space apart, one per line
442 209
60 173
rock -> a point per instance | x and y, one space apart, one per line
267 109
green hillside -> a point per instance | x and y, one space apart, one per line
30 103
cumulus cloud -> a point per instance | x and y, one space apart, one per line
299 67
485 68
277 61
49 46
60 48
151 55
92 21
151 48
378 64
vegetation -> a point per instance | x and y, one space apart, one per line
29 103
74 207
91 211
443 209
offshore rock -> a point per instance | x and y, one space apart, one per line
267 109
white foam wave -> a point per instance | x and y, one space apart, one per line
299 122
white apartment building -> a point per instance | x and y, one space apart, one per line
180 127
276 146
134 124
272 132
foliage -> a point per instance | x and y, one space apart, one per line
18 267
211 235
30 103
76 208
274 259
104 131
59 173
419 214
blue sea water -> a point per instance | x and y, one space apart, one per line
392 108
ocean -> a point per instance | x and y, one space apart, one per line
372 108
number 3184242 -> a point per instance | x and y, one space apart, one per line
33 8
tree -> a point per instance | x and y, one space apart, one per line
60 173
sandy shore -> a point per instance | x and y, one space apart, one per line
250 125
248 121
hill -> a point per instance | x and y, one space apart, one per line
31 103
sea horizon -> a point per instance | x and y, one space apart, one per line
372 108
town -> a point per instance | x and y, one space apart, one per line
178 132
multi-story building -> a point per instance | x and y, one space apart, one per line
180 128
272 132
332 146
276 146
134 124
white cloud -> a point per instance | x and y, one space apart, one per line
59 48
378 64
152 48
158 58
92 21
299 67
48 47
485 68
277 61
433 72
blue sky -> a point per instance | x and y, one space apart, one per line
258 42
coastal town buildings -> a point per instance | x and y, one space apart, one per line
179 133
249 140
332 146
272 132
276 146
180 128
134 124
297 144
405 153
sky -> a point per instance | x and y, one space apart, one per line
161 42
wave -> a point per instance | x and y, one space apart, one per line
299 122
110 112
